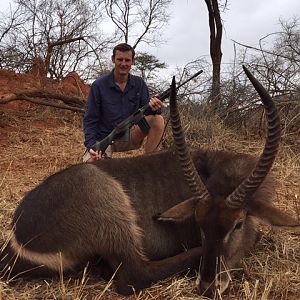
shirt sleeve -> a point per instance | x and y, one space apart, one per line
91 117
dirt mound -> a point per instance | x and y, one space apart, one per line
12 83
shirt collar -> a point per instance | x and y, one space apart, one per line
112 82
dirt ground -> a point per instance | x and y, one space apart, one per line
37 141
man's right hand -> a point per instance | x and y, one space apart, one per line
95 155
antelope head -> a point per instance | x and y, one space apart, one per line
226 221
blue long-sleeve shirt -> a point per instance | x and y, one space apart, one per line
107 105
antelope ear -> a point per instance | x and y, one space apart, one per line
179 213
273 215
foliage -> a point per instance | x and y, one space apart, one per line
65 34
147 64
75 35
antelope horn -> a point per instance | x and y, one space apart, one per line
190 173
245 190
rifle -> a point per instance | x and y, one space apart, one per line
133 119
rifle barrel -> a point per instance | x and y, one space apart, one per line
165 94
192 77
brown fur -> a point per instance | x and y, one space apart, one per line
228 234
87 211
105 209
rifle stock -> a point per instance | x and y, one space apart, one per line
133 119
103 144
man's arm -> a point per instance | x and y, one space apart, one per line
91 117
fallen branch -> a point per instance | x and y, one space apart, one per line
76 101
78 104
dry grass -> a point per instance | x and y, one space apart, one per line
36 142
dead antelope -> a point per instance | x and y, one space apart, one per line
229 192
104 210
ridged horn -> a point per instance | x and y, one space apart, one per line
191 175
243 192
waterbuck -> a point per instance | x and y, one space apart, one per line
231 192
148 217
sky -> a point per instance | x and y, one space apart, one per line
245 21
187 35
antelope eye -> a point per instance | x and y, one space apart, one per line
238 225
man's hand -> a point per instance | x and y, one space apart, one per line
155 103
95 155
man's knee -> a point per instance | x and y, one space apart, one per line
156 122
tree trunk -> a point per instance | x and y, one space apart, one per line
216 28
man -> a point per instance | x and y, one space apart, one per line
114 97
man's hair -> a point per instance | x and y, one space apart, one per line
123 47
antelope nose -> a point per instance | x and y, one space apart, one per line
205 289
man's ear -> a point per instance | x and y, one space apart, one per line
273 215
179 213
113 58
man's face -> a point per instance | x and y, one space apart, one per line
123 62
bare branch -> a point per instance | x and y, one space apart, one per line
261 50
73 103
